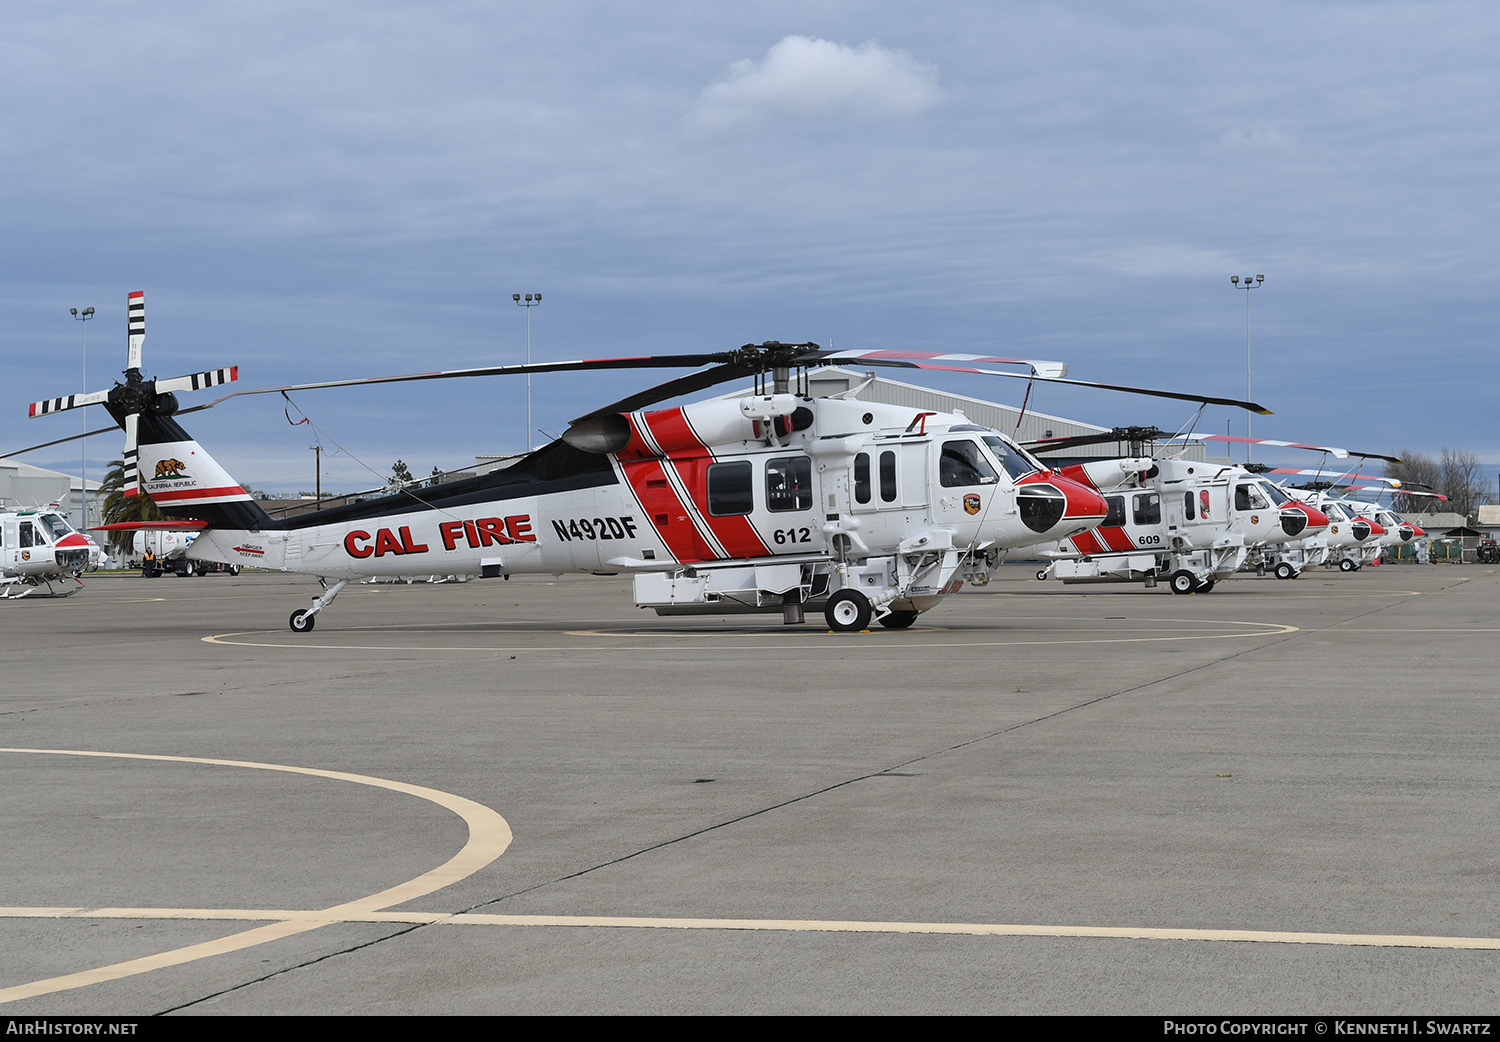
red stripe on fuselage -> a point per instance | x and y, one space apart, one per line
1116 539
674 434
1087 544
648 480
1075 472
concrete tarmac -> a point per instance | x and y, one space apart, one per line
533 797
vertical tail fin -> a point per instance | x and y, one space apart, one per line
184 481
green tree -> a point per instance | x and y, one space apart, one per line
436 478
401 474
118 507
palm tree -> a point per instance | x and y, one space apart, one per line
119 507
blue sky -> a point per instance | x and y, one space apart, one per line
357 189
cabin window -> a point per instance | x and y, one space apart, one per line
1189 506
888 477
963 464
1147 509
862 478
25 534
731 488
789 484
1116 516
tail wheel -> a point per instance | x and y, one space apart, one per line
1346 565
1042 574
1285 571
1184 581
848 611
302 621
899 620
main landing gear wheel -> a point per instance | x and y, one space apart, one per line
1208 585
848 611
899 620
302 621
1184 581
1346 565
1285 571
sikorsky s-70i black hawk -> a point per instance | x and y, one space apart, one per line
773 502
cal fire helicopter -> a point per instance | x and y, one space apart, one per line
39 548
1195 523
770 503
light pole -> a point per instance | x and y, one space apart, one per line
1248 284
83 458
531 301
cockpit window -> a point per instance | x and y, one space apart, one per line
1248 497
963 464
56 525
1277 496
1015 462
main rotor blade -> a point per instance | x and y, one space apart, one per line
59 441
913 359
1336 452
580 365
672 388
1117 435
1200 398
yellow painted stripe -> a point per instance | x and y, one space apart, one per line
1267 630
320 918
489 835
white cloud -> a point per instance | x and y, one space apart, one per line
803 77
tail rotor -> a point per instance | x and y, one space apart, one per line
127 402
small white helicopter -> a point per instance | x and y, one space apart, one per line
39 548
770 503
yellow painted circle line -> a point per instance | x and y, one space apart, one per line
489 835
1267 629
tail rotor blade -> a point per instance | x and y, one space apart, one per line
198 381
71 401
135 328
131 478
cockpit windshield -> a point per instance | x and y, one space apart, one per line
57 525
1012 457
1277 496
